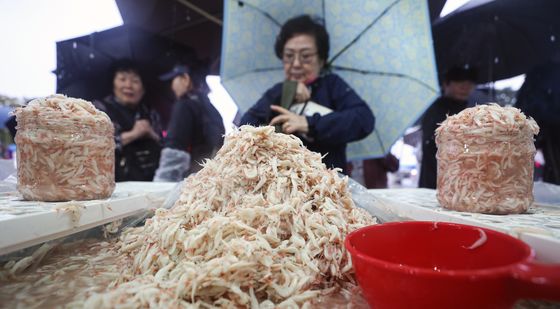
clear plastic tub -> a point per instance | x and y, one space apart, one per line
65 150
486 160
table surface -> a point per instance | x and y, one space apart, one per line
27 223
539 227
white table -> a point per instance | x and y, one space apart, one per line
539 227
25 223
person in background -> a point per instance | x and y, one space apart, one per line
375 171
457 86
196 130
138 130
339 115
11 125
539 97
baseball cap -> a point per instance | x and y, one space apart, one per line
177 70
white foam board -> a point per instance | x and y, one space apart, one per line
27 223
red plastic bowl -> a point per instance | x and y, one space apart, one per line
446 265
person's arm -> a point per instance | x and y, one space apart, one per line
429 122
156 132
181 126
260 113
175 159
141 128
351 119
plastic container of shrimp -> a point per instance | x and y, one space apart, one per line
485 160
65 150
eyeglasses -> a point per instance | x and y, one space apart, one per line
304 58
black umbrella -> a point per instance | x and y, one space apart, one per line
502 38
196 23
84 63
539 97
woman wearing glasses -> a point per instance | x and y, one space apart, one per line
330 114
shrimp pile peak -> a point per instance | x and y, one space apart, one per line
485 160
262 225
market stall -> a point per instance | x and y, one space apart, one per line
266 224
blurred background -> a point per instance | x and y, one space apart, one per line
65 46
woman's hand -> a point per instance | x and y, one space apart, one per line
302 93
141 128
291 122
145 129
153 135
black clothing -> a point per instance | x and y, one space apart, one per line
351 119
197 128
539 97
375 171
434 115
138 160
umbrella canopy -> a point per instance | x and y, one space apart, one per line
501 38
84 63
539 96
383 50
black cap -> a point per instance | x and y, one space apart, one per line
177 70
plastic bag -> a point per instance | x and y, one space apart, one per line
173 165
546 193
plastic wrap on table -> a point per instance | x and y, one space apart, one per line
56 266
59 274
173 196
363 199
169 201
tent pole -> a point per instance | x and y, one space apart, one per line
201 12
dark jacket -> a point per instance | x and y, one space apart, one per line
539 97
195 127
375 171
138 160
433 116
351 119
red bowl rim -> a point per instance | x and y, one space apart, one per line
486 272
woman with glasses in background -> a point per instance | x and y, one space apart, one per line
326 113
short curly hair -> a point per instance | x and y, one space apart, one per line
304 24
